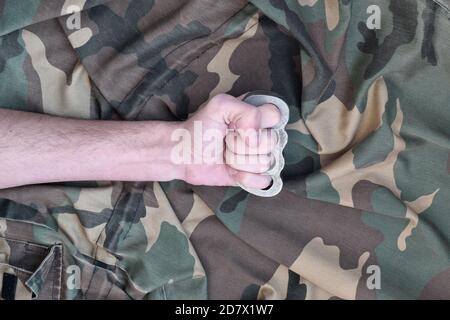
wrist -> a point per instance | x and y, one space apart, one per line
149 156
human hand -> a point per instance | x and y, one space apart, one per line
229 142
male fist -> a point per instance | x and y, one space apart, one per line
228 142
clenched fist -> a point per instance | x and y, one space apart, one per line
228 142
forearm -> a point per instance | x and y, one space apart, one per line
41 149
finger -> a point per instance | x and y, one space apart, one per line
262 117
238 143
252 180
270 116
231 109
249 163
239 114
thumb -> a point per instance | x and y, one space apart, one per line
248 119
241 115
261 117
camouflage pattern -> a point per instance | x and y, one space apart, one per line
367 180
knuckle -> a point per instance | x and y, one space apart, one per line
219 100
277 116
264 183
245 179
267 162
266 167
274 113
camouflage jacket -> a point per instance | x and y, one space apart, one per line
365 211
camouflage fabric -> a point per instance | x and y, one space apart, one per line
367 180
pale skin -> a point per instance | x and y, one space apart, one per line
37 148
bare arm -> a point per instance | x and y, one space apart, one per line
37 148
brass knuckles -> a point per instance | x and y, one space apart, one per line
275 171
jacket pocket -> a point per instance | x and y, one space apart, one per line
29 271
